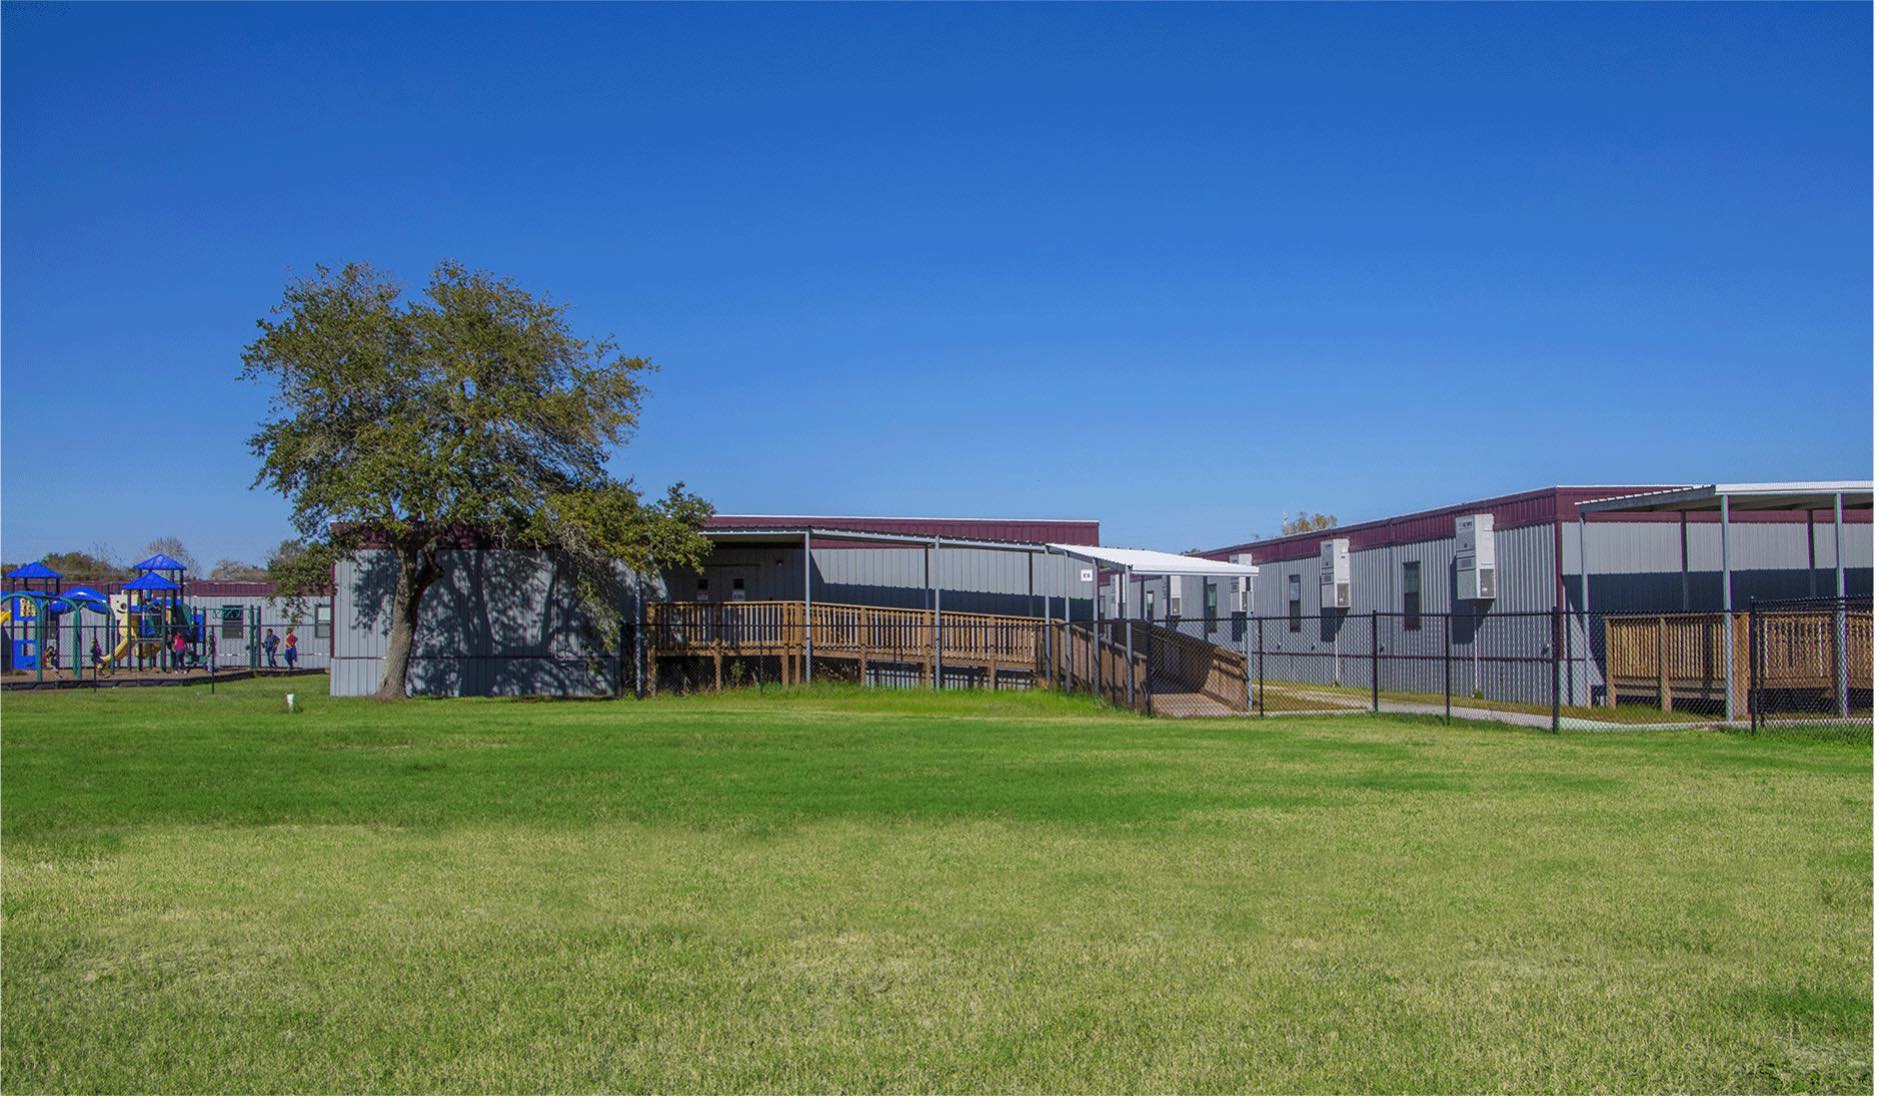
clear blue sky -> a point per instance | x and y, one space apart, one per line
1177 268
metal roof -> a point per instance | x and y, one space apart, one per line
1155 563
1747 496
1141 562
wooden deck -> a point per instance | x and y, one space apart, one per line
1668 658
1073 657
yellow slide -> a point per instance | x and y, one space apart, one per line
6 615
125 637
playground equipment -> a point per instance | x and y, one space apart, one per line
150 612
24 613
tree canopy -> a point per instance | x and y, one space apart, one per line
470 407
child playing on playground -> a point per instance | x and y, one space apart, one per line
293 647
52 657
97 654
178 647
270 643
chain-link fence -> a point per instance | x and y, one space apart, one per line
1548 669
63 642
1810 662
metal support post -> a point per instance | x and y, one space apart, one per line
1730 702
808 617
939 640
1840 685
1585 610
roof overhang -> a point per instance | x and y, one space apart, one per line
776 535
1155 563
1762 496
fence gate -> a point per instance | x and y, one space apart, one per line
1810 661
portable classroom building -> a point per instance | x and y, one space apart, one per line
504 622
1412 565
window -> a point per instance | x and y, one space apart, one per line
1211 595
1294 604
703 594
1412 595
1148 603
323 621
234 621
737 590
1174 597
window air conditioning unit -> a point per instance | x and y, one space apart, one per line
1334 574
1474 557
1243 587
1174 597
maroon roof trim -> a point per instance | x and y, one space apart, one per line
1078 531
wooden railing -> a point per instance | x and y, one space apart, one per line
1076 657
1670 657
850 632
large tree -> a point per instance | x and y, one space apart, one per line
470 410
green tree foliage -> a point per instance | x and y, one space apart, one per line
470 409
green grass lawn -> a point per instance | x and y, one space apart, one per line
832 891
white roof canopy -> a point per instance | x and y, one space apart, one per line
1154 563
1764 496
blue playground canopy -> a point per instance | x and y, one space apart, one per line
150 582
36 571
160 561
89 598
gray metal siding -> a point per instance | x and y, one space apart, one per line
275 612
1636 566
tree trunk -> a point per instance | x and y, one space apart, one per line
417 569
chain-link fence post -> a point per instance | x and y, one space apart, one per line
1558 618
1148 667
1247 671
1128 659
1841 688
1376 666
1448 657
1755 666
1260 638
